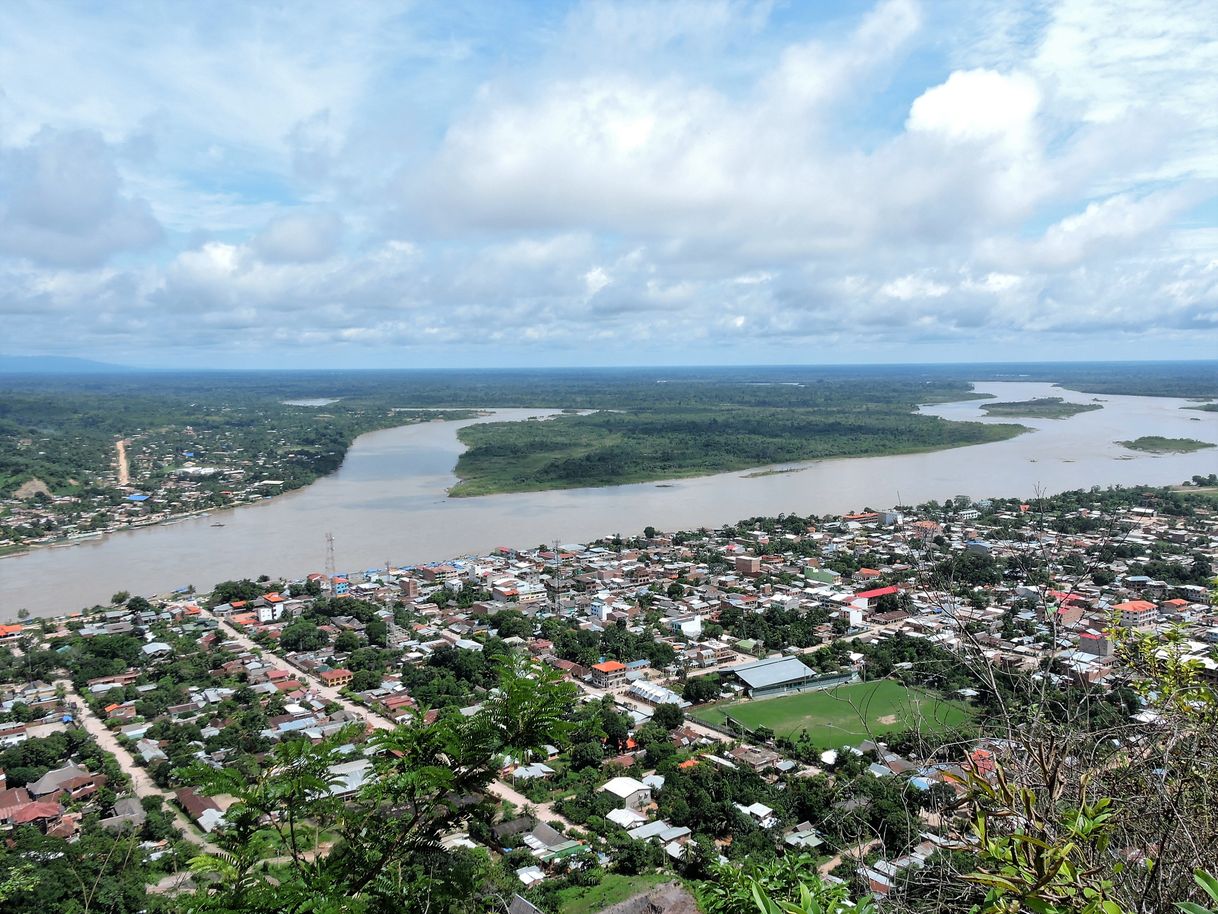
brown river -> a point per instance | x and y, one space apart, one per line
387 502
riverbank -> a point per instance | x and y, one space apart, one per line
388 501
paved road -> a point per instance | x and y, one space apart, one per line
141 781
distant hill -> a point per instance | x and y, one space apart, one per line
54 364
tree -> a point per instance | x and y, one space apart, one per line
377 632
363 680
388 855
302 635
787 885
588 754
701 689
139 604
119 598
668 717
346 642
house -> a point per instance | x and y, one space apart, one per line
11 801
53 781
608 674
754 757
42 814
803 837
759 813
127 813
203 810
632 793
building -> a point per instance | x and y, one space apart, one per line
652 694
609 674
748 565
774 676
632 793
336 679
1136 613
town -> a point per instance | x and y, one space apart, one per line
247 451
787 686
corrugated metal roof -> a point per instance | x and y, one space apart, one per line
765 673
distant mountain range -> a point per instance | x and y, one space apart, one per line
54 364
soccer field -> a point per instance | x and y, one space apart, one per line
844 715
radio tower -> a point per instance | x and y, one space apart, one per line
331 566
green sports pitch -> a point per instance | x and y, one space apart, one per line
844 715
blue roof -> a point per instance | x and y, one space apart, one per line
137 498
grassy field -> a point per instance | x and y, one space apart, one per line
1155 444
612 889
1040 408
844 715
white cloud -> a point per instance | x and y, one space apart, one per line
62 202
300 238
979 105
609 176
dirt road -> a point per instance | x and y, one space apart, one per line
141 782
124 471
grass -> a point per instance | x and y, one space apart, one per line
1040 408
844 715
1155 444
611 890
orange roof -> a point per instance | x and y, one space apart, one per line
112 707
689 763
237 604
609 666
6 630
1133 606
273 598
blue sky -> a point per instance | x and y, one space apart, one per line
464 184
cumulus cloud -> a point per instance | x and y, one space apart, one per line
300 238
62 202
755 181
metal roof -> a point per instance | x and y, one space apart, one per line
765 673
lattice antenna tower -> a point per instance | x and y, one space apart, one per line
331 565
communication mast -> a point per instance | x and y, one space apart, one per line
331 565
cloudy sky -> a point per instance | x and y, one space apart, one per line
489 183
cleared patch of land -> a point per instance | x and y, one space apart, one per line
1156 444
1039 408
30 488
844 715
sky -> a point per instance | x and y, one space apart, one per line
461 184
